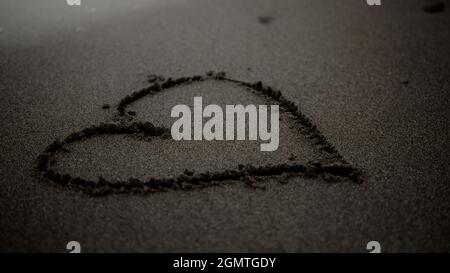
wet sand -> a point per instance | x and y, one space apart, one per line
373 79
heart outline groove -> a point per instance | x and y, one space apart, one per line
333 167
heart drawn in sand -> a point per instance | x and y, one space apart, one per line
141 145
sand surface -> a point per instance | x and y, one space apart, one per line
375 80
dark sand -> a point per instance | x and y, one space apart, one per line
373 79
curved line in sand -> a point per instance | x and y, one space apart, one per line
333 168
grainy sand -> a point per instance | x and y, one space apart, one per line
373 79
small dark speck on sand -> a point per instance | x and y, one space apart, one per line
105 106
405 82
434 8
265 20
132 113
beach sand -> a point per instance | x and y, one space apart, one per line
375 81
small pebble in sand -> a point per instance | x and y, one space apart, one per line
252 183
132 113
284 178
292 157
221 75
405 82
152 78
105 106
